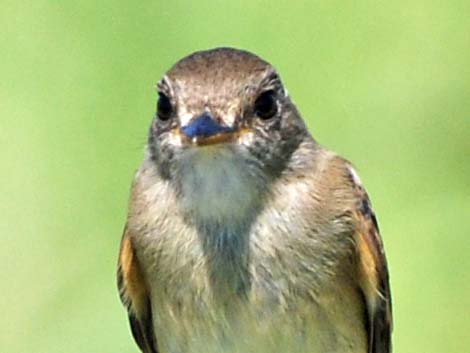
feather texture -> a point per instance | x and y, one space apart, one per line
134 295
373 271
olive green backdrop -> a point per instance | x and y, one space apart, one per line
387 84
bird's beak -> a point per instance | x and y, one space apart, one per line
205 130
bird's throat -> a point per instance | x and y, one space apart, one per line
216 186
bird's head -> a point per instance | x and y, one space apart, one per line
223 119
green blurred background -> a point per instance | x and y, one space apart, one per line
387 84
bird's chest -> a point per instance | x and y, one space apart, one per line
260 323
243 295
261 281
244 327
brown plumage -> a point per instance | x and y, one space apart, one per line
243 233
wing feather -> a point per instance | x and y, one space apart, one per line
373 272
134 295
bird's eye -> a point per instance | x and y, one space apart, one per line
265 105
164 107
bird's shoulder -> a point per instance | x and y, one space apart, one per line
331 180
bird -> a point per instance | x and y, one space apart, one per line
243 233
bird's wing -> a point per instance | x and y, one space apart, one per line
135 297
373 271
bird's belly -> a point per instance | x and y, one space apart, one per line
303 327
